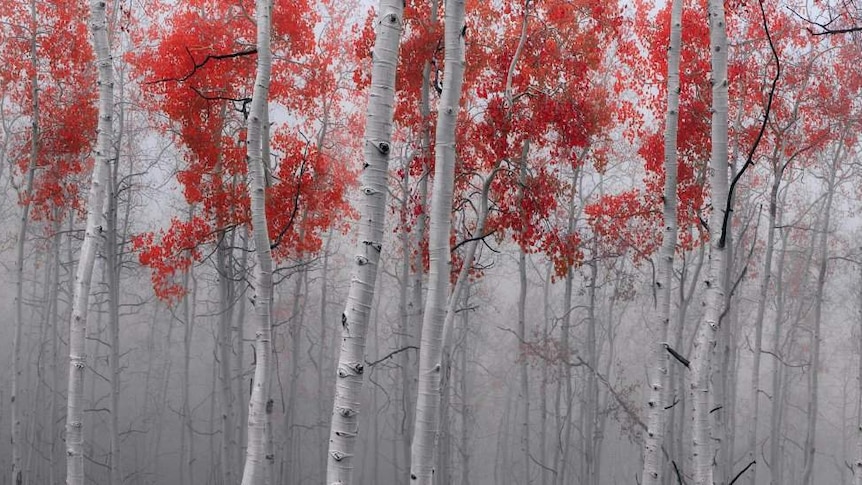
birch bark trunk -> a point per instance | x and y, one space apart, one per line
354 320
433 322
660 381
84 273
702 448
257 457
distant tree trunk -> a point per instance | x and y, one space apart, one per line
659 380
590 407
431 347
857 464
465 394
702 448
522 327
564 421
814 372
546 367
225 305
257 458
95 199
112 270
759 317
354 320
241 388
322 354
15 398
187 433
53 456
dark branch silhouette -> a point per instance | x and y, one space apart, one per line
676 355
825 28
749 161
390 355
198 65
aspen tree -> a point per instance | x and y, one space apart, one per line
257 458
84 273
702 448
659 378
354 321
433 322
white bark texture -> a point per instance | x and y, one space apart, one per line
702 448
660 381
431 344
254 472
354 320
84 273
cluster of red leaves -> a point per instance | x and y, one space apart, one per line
65 75
559 106
205 100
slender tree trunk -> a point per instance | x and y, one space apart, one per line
354 320
95 199
259 405
759 317
415 307
659 380
322 354
857 464
591 402
543 390
814 372
465 394
112 269
15 398
187 432
433 323
225 305
775 421
242 390
702 447
54 458
522 327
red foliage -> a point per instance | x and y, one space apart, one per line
205 100
65 74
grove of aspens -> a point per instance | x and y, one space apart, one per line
430 242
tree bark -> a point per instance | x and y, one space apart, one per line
257 458
431 346
702 448
354 320
84 274
659 380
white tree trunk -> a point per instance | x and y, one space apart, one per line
702 448
659 380
354 320
433 322
255 470
84 273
